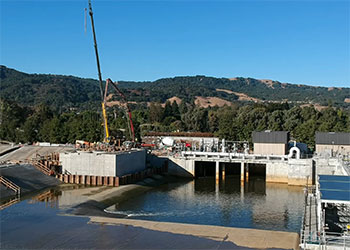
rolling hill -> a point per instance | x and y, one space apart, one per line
60 91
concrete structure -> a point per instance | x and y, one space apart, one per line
271 142
279 169
103 163
331 143
275 168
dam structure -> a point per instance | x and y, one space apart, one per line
274 157
275 168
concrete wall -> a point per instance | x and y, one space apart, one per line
84 163
270 148
131 162
299 171
277 172
336 149
294 172
329 166
181 167
156 161
103 164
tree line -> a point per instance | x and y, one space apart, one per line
236 122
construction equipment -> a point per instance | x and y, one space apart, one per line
107 138
105 121
125 106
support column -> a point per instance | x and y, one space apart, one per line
217 172
242 171
223 170
217 179
247 172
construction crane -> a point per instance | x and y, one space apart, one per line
107 138
125 106
105 120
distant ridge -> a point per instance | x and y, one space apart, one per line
69 91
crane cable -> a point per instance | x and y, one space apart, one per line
85 20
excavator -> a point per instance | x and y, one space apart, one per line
107 138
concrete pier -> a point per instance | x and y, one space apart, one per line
246 174
242 171
217 170
223 171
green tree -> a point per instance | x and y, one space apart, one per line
155 113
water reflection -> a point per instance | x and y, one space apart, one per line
230 185
255 185
229 202
204 185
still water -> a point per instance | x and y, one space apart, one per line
255 204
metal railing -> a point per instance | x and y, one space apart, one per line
325 239
9 184
41 167
232 156
10 203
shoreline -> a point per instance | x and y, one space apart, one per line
98 201
103 197
243 237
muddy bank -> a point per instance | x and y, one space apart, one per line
98 199
236 238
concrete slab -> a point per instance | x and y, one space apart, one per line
28 152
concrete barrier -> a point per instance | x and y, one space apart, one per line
111 181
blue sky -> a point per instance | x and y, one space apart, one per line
302 42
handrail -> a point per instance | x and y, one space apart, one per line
9 203
41 167
10 185
324 239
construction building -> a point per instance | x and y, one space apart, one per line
270 142
332 143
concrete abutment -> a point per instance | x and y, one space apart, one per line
292 171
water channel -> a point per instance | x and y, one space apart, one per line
41 221
254 204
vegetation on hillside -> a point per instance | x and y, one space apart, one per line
236 122
64 92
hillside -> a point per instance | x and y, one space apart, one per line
68 91
54 90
